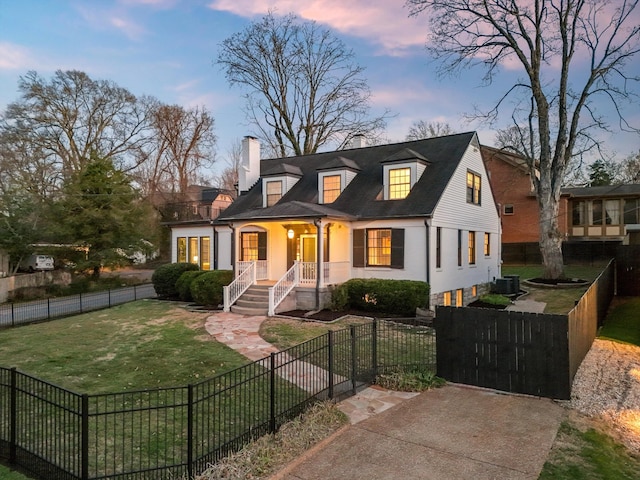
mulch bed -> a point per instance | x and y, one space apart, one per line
330 316
481 304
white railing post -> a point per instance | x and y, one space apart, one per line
227 303
272 306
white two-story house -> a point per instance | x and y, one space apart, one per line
420 210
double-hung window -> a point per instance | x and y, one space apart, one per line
472 248
474 183
274 192
330 188
399 183
378 247
253 246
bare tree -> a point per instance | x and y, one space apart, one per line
569 52
228 178
70 116
630 169
304 89
184 143
420 130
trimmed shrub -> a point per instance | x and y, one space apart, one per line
398 297
183 284
339 297
206 289
164 278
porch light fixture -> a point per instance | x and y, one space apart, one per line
290 234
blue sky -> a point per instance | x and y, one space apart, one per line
167 48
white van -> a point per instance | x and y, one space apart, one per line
35 263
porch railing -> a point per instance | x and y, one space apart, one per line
261 268
240 284
283 287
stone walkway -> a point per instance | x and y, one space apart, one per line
241 333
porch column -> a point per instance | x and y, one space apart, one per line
319 260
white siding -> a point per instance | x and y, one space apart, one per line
224 248
453 213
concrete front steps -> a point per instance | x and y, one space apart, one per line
255 301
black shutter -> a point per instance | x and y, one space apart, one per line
358 247
397 248
262 245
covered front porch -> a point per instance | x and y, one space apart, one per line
297 255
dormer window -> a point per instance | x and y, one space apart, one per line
334 177
274 192
401 171
331 188
277 181
399 183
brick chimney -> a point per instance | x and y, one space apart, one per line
249 171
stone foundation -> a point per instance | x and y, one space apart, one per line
467 295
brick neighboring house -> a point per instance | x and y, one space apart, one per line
593 220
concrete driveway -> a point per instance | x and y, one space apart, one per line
453 432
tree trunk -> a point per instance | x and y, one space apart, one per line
550 237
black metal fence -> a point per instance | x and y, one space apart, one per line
13 314
176 432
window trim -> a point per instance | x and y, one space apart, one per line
360 249
459 248
474 191
438 247
260 248
324 189
399 190
471 247
508 206
487 244
269 197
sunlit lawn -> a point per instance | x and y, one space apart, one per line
138 345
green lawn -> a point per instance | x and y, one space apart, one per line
623 322
558 300
137 345
7 474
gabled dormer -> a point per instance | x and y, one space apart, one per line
333 178
401 171
277 182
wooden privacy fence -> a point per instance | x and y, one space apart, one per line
520 352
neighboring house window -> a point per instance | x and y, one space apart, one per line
253 246
487 244
182 250
473 188
330 188
596 212
446 299
459 248
274 192
508 209
438 247
399 183
631 211
378 247
612 212
474 291
577 214
459 297
472 248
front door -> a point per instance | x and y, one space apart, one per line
308 250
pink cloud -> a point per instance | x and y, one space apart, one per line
384 23
14 57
